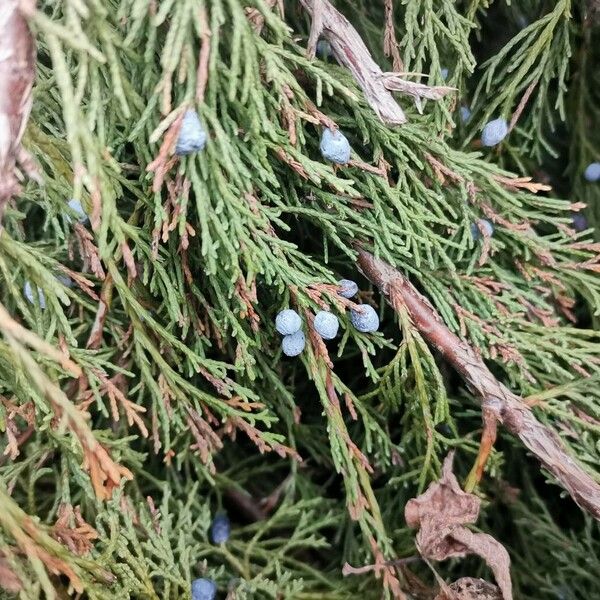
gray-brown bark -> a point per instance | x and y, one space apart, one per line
507 407
350 51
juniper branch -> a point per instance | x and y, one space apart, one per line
508 408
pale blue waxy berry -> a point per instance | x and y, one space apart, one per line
579 221
76 207
592 172
204 589
365 318
65 280
335 146
444 71
292 345
348 288
488 229
326 324
323 49
220 529
494 132
30 295
192 136
465 114
288 322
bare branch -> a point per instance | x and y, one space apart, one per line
508 408
17 72
418 91
316 28
350 51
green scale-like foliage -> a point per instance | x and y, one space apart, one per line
183 378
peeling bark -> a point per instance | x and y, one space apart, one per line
507 407
349 49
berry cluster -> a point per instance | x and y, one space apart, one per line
289 324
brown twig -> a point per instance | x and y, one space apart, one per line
204 57
521 106
488 439
17 73
507 408
390 43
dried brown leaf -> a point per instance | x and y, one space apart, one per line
129 260
468 588
88 251
441 513
8 579
73 531
256 18
204 56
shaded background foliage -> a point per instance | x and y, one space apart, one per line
181 376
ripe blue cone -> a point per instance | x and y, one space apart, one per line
204 589
465 114
294 344
65 280
77 208
288 322
579 221
323 49
30 294
326 324
335 146
348 288
365 318
592 172
494 132
192 136
220 529
488 229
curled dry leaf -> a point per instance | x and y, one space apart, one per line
468 588
441 514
